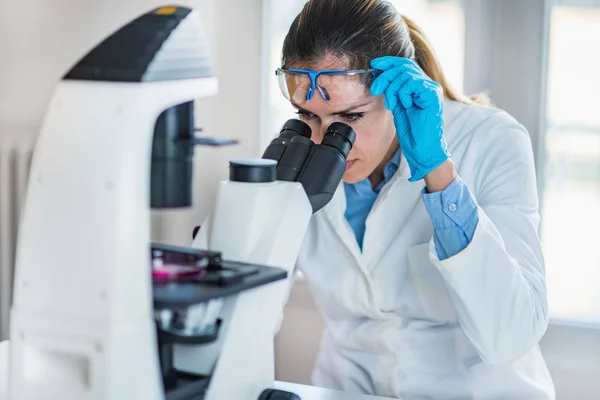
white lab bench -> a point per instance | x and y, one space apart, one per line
315 393
4 370
305 392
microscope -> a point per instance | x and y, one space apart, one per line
99 311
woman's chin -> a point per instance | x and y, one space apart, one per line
352 176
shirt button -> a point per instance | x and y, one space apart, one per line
452 207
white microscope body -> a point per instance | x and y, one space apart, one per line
251 224
83 322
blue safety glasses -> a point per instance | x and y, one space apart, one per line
334 86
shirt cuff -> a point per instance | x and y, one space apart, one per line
453 206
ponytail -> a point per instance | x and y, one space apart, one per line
429 63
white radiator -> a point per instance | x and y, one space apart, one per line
15 159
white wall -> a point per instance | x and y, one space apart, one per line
573 357
297 343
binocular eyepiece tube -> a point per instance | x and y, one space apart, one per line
292 128
319 167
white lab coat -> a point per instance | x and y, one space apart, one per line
402 323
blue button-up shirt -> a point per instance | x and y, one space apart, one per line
453 211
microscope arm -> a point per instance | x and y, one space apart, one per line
201 242
258 223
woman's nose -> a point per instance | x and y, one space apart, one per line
318 134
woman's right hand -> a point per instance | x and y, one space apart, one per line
417 103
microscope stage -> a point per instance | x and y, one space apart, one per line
231 279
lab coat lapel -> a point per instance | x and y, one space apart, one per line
391 214
334 214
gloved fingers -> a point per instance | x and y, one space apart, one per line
393 94
414 68
425 94
422 92
403 88
387 62
390 82
403 128
379 86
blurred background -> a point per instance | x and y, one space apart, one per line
537 59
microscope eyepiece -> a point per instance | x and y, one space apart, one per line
294 127
340 136
319 167
291 129
294 158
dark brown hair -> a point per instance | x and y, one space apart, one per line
357 31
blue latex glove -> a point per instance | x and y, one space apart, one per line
417 104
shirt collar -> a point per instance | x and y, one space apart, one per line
392 166
364 187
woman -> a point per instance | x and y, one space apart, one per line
426 264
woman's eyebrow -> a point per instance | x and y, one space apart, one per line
346 111
354 107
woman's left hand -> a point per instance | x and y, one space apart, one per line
417 104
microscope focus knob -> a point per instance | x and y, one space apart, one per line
253 170
274 394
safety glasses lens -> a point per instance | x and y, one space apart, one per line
335 88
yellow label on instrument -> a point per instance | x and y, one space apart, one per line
166 10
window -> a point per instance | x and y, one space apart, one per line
571 198
279 15
442 21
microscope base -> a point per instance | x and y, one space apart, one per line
305 392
